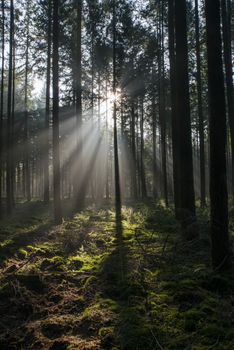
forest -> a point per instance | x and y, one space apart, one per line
116 174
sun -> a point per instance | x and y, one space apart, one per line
107 106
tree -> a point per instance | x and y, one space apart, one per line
79 195
186 200
9 158
47 110
217 124
26 132
226 29
116 155
1 110
56 153
200 109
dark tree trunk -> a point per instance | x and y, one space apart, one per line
47 111
154 123
1 110
78 188
26 131
142 152
200 110
133 155
183 133
56 154
218 178
9 165
162 111
229 80
116 154
174 121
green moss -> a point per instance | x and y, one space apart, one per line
56 263
89 282
105 331
22 253
75 263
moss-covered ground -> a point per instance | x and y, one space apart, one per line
82 285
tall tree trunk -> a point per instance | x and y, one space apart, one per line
13 145
174 119
56 152
47 111
1 110
186 186
162 111
229 80
116 154
200 110
218 177
78 188
142 152
133 155
154 123
26 132
9 188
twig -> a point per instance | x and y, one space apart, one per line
156 340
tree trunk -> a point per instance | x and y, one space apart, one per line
174 119
185 165
116 154
162 111
229 80
9 166
1 110
217 110
47 112
200 110
56 153
26 132
142 153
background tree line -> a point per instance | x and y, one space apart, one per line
135 102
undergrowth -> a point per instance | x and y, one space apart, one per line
81 286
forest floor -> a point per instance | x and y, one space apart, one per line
80 286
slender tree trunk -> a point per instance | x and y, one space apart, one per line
1 110
133 151
229 79
154 122
47 111
116 154
13 145
186 186
162 111
200 110
56 152
80 195
174 119
218 178
142 152
26 131
9 188
107 149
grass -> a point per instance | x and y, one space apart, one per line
79 286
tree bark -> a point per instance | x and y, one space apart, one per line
229 79
47 111
217 123
184 143
1 110
56 152
200 110
9 165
